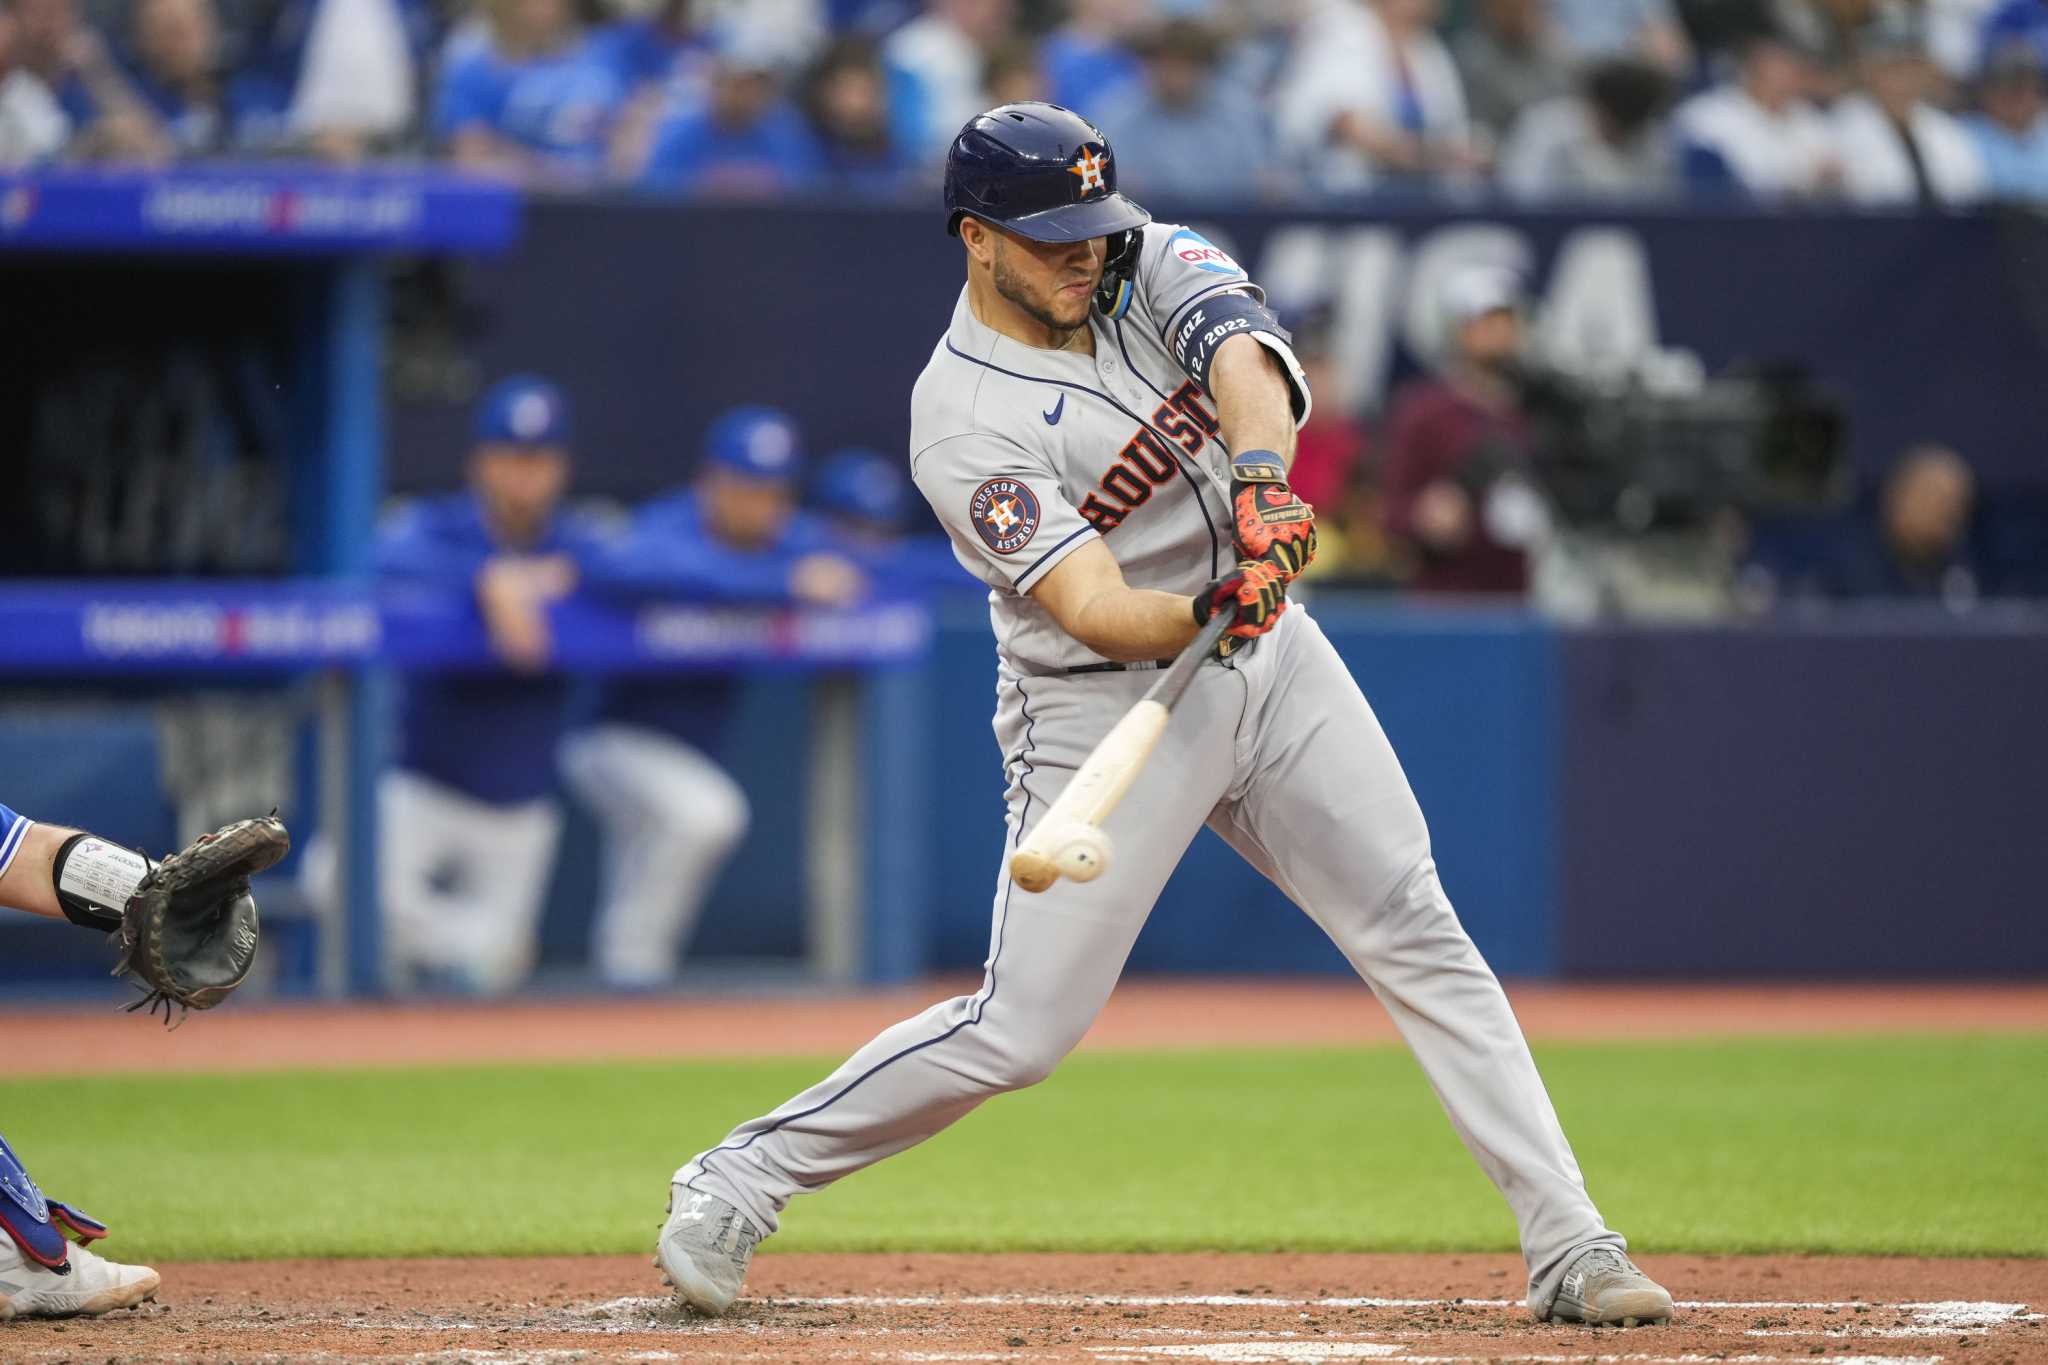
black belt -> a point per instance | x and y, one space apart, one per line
1142 666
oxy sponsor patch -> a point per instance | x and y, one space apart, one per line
1201 253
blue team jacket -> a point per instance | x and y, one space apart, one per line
670 552
489 733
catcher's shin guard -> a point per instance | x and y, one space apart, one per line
38 1224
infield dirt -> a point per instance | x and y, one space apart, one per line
1046 1308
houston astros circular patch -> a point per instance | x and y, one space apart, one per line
1005 512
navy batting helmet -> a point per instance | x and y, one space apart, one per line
1039 170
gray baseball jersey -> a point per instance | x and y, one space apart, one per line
1026 454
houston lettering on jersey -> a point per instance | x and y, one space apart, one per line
1147 461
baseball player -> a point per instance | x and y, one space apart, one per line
1104 430
468 815
187 927
670 815
864 498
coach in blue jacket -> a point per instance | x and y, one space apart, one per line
469 827
647 766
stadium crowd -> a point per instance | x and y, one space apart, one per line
1870 101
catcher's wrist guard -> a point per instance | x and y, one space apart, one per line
94 879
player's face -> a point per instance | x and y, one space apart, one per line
519 485
1054 282
1492 338
745 512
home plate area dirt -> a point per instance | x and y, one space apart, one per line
1428 1310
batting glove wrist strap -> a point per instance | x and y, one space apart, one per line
1270 523
1258 466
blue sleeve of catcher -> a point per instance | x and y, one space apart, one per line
12 828
37 1224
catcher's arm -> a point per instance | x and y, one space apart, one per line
101 877
187 926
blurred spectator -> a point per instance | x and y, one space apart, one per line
1456 442
535 100
1610 140
1183 132
334 78
1090 59
745 140
2011 129
33 126
2023 21
864 498
107 117
1330 471
1648 30
647 768
946 50
468 824
662 60
861 132
651 48
1896 147
1371 96
1510 58
1759 133
1955 35
1920 546
177 50
1014 74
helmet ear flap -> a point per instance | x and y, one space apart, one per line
1113 296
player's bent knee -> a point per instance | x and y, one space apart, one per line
725 816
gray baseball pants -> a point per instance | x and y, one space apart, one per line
1281 756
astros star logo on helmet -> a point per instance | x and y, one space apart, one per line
1089 165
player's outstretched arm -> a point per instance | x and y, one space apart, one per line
28 883
1087 595
1254 401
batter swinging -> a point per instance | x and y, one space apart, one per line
1075 433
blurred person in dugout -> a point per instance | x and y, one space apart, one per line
647 765
864 498
469 825
1457 446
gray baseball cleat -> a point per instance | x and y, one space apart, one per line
704 1250
1604 1288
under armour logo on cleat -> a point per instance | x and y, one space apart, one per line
1052 419
695 1213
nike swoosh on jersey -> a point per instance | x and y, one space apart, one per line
1052 419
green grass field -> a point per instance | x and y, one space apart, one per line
1865 1145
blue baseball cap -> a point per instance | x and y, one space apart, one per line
523 410
756 443
862 483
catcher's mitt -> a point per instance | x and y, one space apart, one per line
188 932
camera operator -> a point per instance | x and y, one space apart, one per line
1454 438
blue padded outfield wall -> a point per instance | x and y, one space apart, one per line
1852 798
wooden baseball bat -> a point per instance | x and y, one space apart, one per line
1068 839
